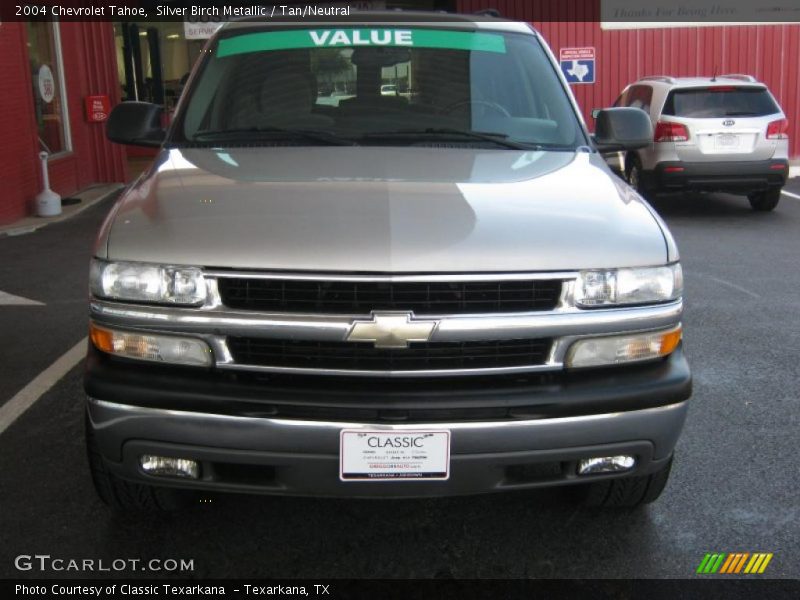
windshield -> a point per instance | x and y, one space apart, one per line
720 101
385 86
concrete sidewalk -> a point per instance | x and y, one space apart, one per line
88 197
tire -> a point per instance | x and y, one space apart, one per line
765 201
633 175
125 496
627 492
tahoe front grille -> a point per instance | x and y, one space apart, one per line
352 356
362 297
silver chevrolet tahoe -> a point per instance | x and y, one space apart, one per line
321 289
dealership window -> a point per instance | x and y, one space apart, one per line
47 75
154 60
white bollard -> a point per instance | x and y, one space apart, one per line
48 203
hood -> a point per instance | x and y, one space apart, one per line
377 209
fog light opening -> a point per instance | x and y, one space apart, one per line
606 464
165 466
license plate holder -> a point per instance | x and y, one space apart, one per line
418 455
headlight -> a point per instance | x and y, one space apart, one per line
629 286
620 349
143 282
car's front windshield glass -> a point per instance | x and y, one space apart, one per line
379 86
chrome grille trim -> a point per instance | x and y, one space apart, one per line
565 327
418 278
213 322
395 374
554 324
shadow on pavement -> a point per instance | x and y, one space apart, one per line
702 205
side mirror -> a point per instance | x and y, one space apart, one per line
136 124
622 129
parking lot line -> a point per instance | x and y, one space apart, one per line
7 299
28 395
791 195
735 287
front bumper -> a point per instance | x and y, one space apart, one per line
276 456
636 411
730 176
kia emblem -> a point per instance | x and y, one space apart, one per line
728 122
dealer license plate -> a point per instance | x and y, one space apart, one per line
394 455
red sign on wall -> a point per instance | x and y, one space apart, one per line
97 108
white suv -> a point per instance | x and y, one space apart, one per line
724 133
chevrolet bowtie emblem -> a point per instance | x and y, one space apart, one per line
391 330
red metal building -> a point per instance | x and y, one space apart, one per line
47 70
769 52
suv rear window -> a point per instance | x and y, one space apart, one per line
720 101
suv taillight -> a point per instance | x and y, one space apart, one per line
777 130
670 132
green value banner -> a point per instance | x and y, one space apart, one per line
354 38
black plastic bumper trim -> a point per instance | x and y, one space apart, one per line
722 176
313 398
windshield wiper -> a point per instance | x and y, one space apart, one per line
257 132
484 136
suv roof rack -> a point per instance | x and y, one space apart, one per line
664 78
740 76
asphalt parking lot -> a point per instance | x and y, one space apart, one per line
733 486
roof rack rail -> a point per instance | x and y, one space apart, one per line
488 12
740 76
665 78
